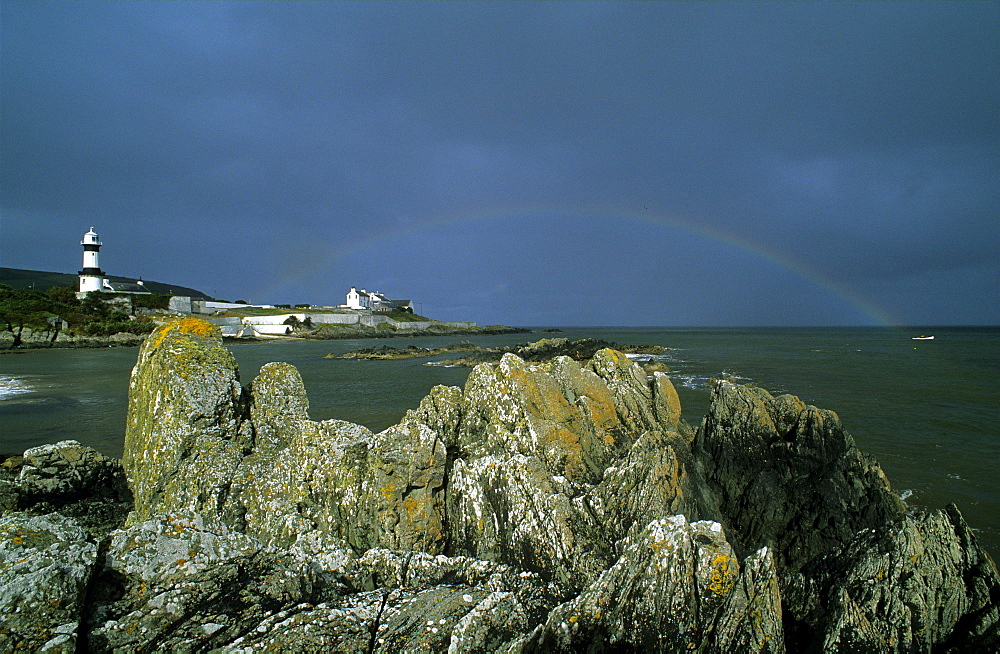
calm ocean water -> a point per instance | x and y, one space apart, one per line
927 410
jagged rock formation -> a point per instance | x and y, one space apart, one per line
547 506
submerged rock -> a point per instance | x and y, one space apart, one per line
547 506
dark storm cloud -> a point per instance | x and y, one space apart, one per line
857 140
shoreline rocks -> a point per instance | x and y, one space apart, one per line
548 506
65 341
542 350
342 332
346 332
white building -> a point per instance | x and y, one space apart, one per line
91 276
374 301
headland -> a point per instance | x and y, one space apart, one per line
36 312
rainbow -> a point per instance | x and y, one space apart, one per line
758 250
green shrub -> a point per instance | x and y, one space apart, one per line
151 301
110 327
404 314
63 295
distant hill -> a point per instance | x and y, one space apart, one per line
40 280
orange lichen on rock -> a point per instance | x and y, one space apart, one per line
193 326
725 571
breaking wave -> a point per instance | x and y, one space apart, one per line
13 386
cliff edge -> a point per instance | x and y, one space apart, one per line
547 506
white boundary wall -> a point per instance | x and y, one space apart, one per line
269 326
208 306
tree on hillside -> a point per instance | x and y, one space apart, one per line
95 304
62 295
67 308
24 308
50 311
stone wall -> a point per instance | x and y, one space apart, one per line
181 304
275 325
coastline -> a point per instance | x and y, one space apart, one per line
74 342
177 545
325 334
879 379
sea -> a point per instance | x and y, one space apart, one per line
927 410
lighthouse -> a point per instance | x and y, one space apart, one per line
91 276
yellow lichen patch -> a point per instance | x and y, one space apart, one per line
193 326
413 506
198 327
568 444
389 491
725 570
603 412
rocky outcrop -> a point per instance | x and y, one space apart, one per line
789 475
922 585
676 587
543 350
548 506
77 482
45 566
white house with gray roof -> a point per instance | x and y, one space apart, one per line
374 301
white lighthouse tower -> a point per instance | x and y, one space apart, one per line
91 276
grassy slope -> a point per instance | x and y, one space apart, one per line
18 278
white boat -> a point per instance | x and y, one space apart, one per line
923 338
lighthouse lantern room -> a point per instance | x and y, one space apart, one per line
91 276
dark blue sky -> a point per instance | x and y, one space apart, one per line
525 163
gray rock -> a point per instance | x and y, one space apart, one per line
410 601
198 444
677 587
922 585
45 566
185 583
788 475
185 434
547 505
75 480
556 462
67 471
181 583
